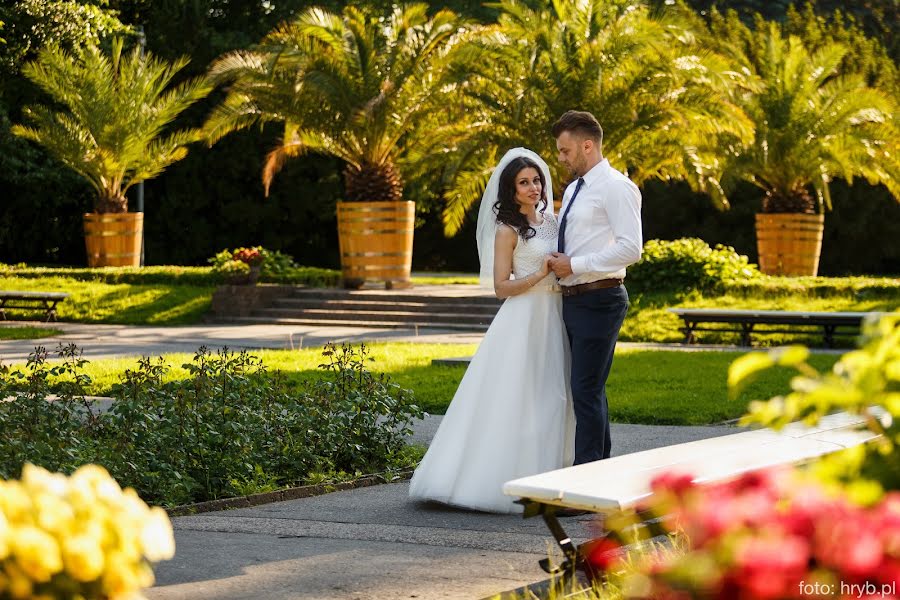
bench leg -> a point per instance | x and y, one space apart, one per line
746 330
688 331
570 551
51 311
829 335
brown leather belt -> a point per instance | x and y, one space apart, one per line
574 290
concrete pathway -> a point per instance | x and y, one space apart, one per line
102 341
373 543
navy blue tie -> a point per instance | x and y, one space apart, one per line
561 240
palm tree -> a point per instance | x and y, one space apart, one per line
356 86
813 124
110 115
658 93
350 85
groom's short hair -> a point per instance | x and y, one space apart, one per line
579 122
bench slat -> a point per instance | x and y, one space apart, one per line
17 295
622 481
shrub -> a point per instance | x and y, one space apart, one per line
77 537
768 535
277 272
688 264
229 427
275 267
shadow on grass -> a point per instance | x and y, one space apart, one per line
138 305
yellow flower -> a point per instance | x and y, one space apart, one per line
86 526
36 553
54 515
18 583
123 576
4 539
90 474
15 502
157 537
83 558
37 479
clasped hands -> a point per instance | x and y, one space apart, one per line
559 263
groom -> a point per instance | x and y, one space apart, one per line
599 235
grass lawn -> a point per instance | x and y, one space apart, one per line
123 303
181 296
27 333
646 386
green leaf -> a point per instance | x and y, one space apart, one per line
741 371
790 356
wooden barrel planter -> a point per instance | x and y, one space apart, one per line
789 243
113 239
376 242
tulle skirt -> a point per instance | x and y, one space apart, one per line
511 415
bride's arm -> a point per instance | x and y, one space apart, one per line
504 244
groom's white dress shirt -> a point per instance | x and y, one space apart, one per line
603 227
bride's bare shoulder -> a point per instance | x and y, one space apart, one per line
506 234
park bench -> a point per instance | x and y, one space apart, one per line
832 323
620 483
43 301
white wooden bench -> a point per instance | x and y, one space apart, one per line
43 301
621 482
745 321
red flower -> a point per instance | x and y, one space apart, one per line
676 483
251 256
600 554
771 566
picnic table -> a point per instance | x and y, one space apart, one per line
42 301
745 321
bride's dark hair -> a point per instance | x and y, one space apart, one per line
506 206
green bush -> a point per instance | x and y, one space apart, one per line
178 275
230 427
688 264
275 267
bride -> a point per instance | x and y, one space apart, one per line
512 414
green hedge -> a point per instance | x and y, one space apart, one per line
855 288
688 264
169 275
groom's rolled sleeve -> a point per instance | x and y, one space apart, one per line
623 209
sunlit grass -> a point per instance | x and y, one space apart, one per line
645 386
438 279
129 304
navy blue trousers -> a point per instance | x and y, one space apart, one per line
593 320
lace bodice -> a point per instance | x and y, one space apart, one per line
529 254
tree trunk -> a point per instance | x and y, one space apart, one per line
112 202
372 183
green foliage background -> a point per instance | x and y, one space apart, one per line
214 198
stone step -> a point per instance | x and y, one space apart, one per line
419 324
387 314
384 305
478 298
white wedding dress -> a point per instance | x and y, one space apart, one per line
512 414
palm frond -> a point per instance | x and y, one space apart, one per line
111 113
